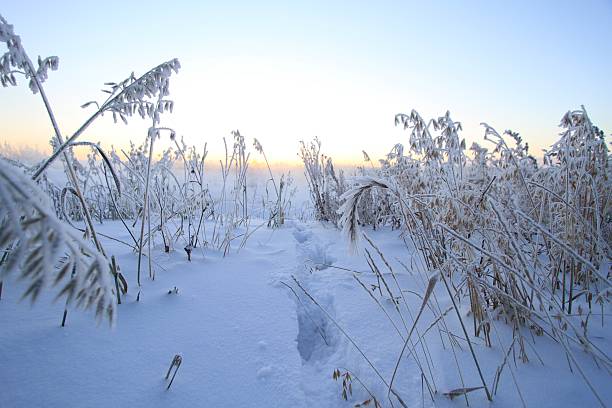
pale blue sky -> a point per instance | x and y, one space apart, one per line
283 71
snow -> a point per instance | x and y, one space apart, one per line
247 340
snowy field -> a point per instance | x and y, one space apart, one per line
247 340
443 273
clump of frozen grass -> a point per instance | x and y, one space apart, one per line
136 188
283 193
325 185
179 202
521 243
232 205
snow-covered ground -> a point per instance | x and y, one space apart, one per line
249 336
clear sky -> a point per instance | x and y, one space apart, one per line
286 71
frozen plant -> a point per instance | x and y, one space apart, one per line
283 192
325 185
42 251
522 243
145 96
176 363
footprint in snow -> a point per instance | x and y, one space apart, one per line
265 372
302 235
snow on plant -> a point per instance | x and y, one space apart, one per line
16 61
577 208
521 243
153 133
137 187
325 185
42 251
232 209
280 206
194 191
145 95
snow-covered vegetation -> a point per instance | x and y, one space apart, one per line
520 243
437 275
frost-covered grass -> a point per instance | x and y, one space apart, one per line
520 243
145 194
